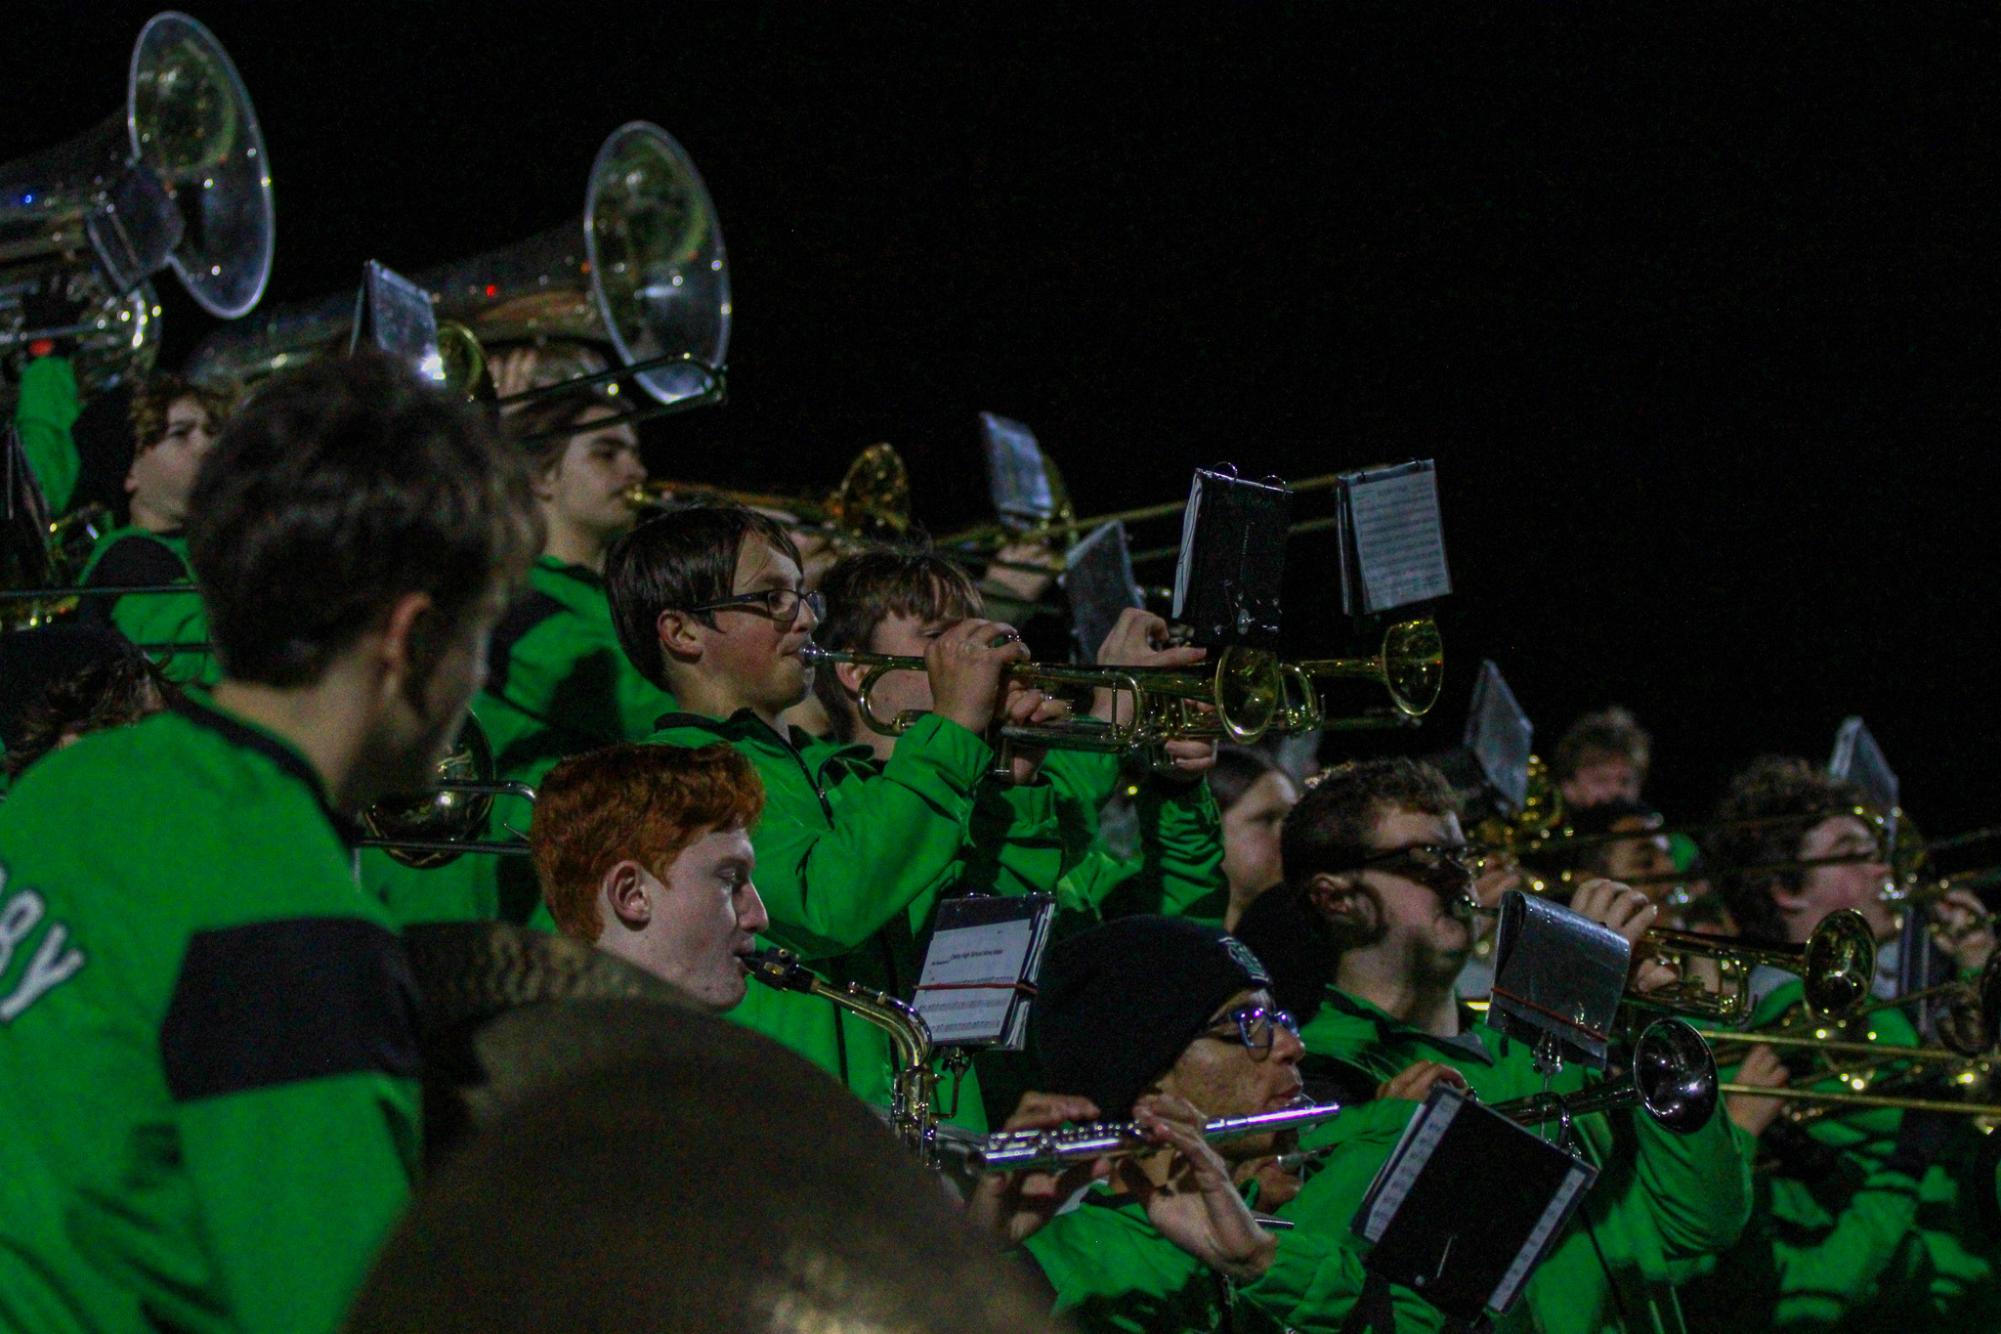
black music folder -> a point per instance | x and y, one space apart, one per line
1467 1205
1098 579
1226 584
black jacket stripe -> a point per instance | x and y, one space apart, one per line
277 1002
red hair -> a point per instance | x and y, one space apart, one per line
647 803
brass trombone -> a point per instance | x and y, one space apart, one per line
435 828
1836 966
1673 1080
989 537
873 497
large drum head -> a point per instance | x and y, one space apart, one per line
658 270
191 122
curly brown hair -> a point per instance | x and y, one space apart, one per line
1772 785
1329 829
157 393
1608 733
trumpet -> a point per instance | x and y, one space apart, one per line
1410 665
915 1084
1673 1080
1052 1150
872 499
1237 699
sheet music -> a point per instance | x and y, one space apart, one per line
1182 566
1538 1240
1406 1163
1399 538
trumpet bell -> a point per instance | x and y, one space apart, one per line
449 814
1413 666
1249 691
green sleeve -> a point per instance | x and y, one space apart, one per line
832 877
1821 1282
1084 781
45 413
1696 1187
291 1247
1015 841
1179 868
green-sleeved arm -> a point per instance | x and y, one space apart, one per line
831 880
291 1247
44 415
1696 1187
1180 862
1015 841
1820 1283
1084 781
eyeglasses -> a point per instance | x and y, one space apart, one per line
1447 869
1254 1026
780 604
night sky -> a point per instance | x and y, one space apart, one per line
1694 306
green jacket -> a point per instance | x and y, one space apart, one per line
1661 1200
44 415
557 681
557 684
1111 1270
136 558
207 1040
1839 1239
853 856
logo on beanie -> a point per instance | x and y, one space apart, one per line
1241 956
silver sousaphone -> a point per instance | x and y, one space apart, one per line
641 275
176 178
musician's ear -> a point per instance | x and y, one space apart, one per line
625 893
1341 899
850 676
1788 894
678 634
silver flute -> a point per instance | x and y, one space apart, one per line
1048 1150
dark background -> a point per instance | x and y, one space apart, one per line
1694 307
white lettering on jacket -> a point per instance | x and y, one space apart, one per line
54 960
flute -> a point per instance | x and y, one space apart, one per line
1047 1150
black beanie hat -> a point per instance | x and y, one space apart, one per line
1115 1006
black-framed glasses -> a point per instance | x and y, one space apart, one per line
780 604
1447 869
1253 1025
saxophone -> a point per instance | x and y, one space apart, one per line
910 1114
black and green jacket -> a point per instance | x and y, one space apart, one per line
208 1050
1841 1238
557 681
1661 1203
137 558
